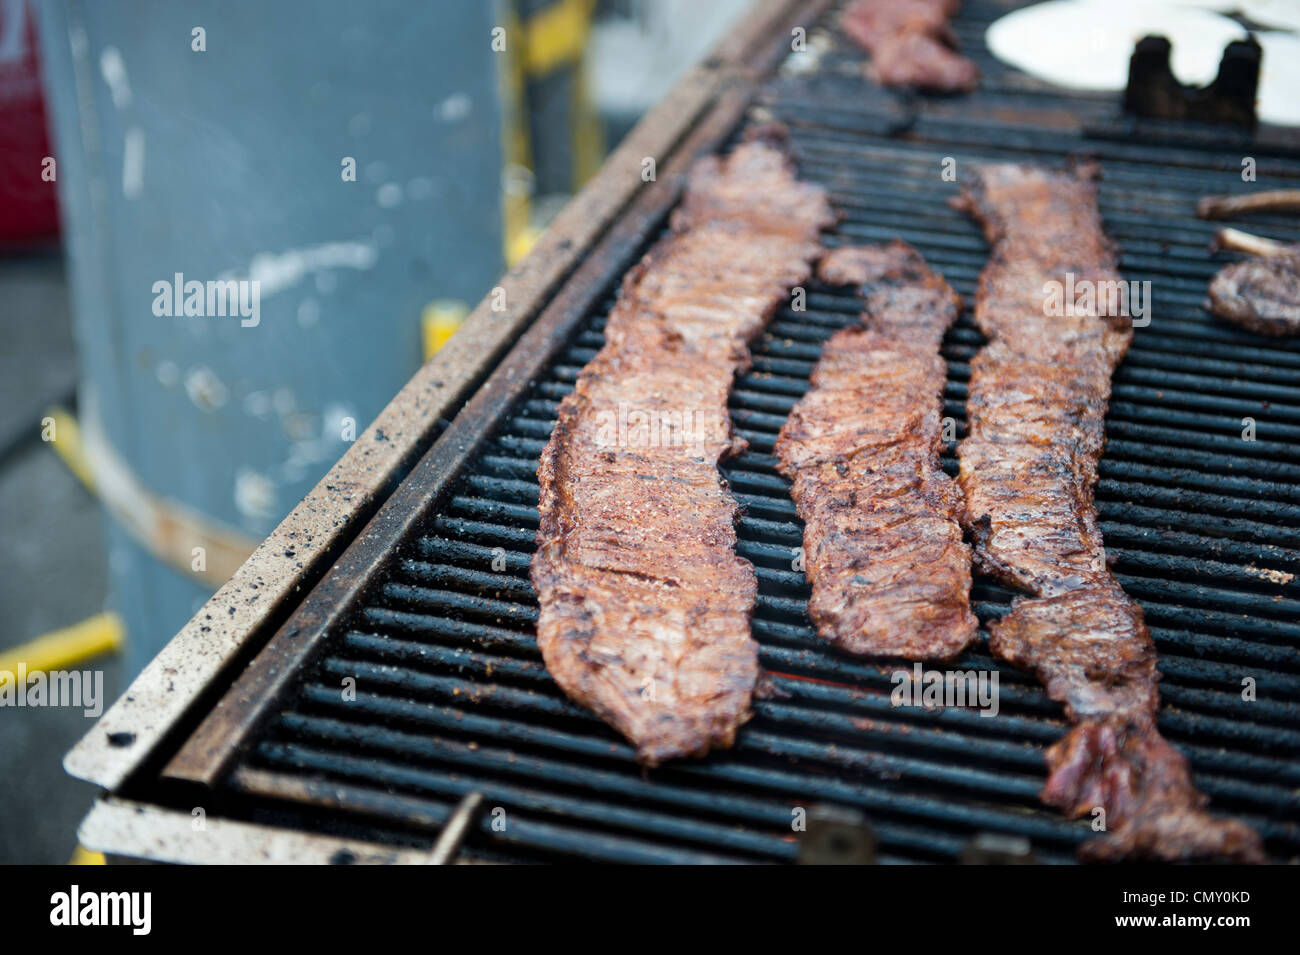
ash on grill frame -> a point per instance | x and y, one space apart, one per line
451 696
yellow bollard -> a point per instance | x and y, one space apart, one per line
439 321
83 856
65 436
62 649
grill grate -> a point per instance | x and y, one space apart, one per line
1202 526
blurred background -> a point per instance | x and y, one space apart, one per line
371 168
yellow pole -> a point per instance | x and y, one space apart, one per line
66 648
65 435
439 321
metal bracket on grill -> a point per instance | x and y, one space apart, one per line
457 828
837 836
1154 92
996 848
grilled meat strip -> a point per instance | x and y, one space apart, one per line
1262 293
911 44
883 548
1036 409
645 605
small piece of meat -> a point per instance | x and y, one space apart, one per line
1261 294
911 43
1037 403
919 61
884 555
645 605
869 22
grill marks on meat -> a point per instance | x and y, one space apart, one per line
1036 408
1261 294
911 43
645 605
884 554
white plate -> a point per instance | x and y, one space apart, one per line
1280 14
1087 44
1279 79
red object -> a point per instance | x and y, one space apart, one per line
28 190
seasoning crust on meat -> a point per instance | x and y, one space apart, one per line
1037 403
645 605
883 549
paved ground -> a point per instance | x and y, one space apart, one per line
52 563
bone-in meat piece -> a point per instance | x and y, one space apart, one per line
1252 203
645 605
1036 408
1261 293
883 549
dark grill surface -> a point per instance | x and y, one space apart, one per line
1201 524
